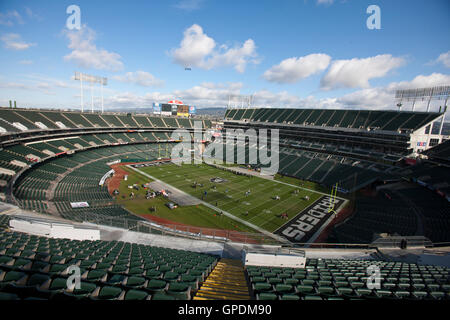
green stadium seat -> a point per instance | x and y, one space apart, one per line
289 297
56 285
38 280
8 296
180 290
284 289
274 280
325 290
86 288
135 282
109 293
437 295
305 289
312 298
191 280
154 274
6 261
96 275
137 295
155 286
171 276
356 285
364 293
383 294
16 277
262 287
266 296
291 281
419 295
120 269
163 296
402 294
117 279
258 279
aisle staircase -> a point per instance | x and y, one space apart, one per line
226 282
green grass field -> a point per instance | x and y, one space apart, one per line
259 208
199 216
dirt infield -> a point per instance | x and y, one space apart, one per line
229 234
114 182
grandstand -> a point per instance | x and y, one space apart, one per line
51 160
358 149
350 147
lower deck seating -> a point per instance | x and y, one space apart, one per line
384 213
81 184
33 267
408 211
335 279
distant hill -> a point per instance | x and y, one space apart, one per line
216 112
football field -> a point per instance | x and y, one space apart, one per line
264 203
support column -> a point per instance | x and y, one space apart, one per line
92 97
81 86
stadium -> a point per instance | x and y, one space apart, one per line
260 203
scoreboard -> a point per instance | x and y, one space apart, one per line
169 109
183 111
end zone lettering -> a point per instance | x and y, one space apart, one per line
306 223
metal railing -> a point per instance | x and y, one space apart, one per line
140 225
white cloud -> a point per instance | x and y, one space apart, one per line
203 95
264 98
297 68
86 54
14 41
383 97
41 87
197 49
32 15
141 78
26 62
40 84
325 2
357 72
444 58
422 81
10 18
188 5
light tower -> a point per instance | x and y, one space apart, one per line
92 80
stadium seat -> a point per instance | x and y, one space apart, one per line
180 290
137 295
289 297
156 286
135 282
266 296
109 293
163 296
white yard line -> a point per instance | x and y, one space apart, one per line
265 232
278 181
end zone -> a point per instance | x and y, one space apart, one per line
307 225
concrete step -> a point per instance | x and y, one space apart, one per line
226 282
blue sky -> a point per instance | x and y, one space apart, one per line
299 53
